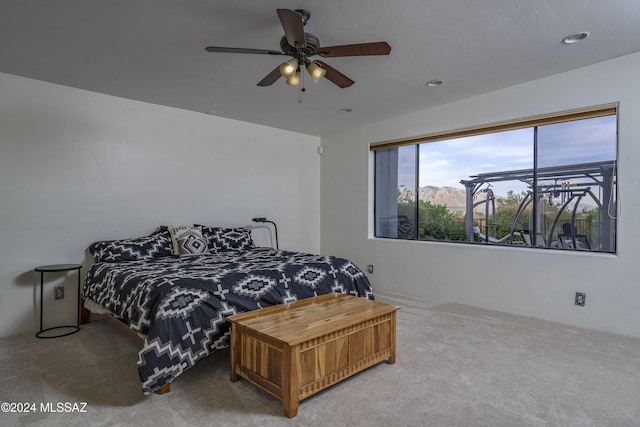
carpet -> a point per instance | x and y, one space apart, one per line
456 366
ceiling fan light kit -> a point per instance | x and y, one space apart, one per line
301 46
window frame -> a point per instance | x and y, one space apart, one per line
534 122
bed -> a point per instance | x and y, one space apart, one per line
176 287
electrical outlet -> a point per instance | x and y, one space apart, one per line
370 268
581 298
58 292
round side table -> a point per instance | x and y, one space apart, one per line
57 268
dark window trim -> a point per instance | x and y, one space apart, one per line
546 119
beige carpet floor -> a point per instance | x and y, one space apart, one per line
456 366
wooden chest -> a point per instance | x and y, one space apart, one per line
295 350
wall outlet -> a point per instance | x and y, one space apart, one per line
581 298
370 268
58 292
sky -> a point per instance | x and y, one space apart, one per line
445 163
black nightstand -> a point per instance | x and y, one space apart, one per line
57 268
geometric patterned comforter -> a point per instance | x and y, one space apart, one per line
179 305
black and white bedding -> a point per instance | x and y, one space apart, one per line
179 304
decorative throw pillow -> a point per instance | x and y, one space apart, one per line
208 233
228 239
137 249
188 241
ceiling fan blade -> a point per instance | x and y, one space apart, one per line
271 77
335 76
360 49
293 27
241 50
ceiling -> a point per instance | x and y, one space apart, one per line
153 51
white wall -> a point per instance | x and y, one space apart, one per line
77 166
529 282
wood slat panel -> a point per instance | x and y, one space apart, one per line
307 366
382 335
275 365
337 355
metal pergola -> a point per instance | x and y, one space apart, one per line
543 181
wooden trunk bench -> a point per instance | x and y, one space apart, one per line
294 350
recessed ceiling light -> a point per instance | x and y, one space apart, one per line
434 83
346 110
575 38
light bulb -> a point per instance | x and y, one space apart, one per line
294 80
287 69
316 72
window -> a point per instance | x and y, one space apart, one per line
547 182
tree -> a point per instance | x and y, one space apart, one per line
437 223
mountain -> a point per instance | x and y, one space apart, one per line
453 198
449 196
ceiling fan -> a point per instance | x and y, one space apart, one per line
301 46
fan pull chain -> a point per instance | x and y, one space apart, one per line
301 88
